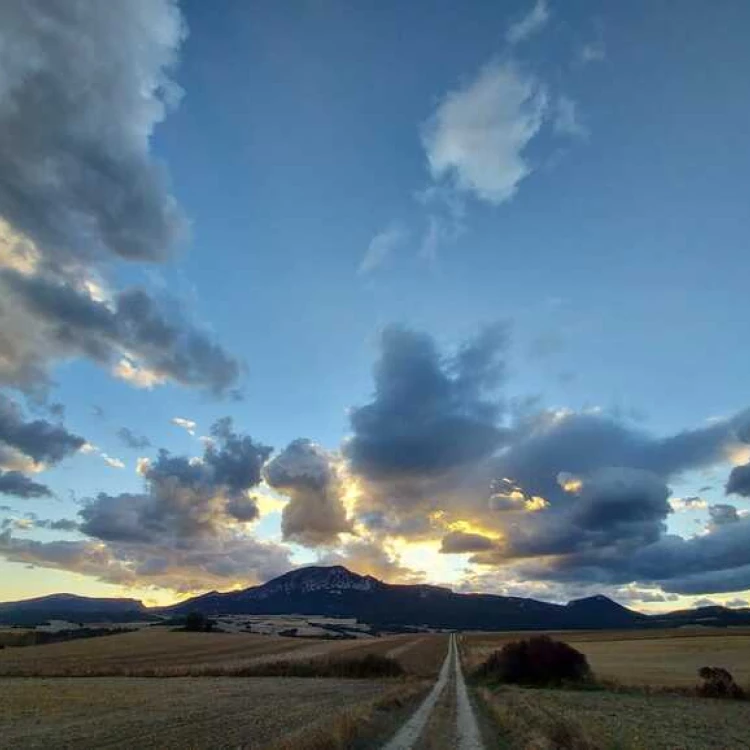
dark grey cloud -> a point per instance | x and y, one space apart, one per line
132 440
579 443
723 513
739 481
186 499
458 542
41 441
315 514
430 413
714 562
20 485
615 511
131 335
77 175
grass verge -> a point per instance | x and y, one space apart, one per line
343 731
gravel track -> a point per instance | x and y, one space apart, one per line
426 726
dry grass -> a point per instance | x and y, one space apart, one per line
641 658
184 713
530 719
343 730
160 653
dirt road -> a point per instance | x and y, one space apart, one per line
446 717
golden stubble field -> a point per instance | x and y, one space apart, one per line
183 712
152 689
640 714
155 652
668 658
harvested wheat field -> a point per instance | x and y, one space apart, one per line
183 712
657 658
157 652
530 719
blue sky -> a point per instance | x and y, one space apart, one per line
575 171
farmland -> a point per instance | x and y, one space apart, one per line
142 689
660 658
584 720
158 652
210 712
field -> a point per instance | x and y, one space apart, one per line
669 658
160 688
163 653
530 719
184 713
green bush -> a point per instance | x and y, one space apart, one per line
538 661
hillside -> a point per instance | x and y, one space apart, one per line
338 592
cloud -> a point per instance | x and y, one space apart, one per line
18 484
567 119
51 318
309 476
368 557
113 463
459 542
77 173
530 24
186 424
593 52
429 414
687 503
477 136
739 481
380 249
41 441
131 440
81 190
186 531
186 499
723 513
221 563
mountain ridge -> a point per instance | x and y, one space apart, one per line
337 591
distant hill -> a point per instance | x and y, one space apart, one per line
73 608
336 591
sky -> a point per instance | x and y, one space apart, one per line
444 292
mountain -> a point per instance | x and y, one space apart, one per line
604 611
336 591
72 608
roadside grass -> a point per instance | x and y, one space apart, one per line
555 719
344 730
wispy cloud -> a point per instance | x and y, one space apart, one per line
186 424
380 248
530 24
593 52
567 120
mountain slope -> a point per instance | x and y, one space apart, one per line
336 591
73 608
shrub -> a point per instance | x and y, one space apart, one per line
719 683
197 622
536 661
370 666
